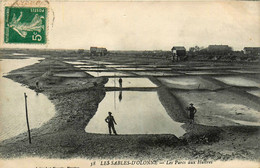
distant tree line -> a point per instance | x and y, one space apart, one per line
219 52
210 50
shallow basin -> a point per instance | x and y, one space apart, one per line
75 62
223 103
94 69
99 62
135 113
255 92
238 81
131 69
86 66
156 73
188 83
117 65
200 72
97 74
240 122
240 109
246 71
19 54
130 82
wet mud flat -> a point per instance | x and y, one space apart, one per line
76 101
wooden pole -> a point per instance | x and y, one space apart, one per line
27 120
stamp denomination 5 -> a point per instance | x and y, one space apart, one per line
25 24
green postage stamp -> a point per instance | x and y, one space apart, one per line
25 25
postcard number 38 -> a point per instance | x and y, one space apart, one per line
36 37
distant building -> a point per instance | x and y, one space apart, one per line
178 53
219 49
93 50
252 50
101 51
96 51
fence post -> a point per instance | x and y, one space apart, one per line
27 120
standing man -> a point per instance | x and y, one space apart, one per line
110 120
120 82
192 111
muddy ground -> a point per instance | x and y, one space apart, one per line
76 100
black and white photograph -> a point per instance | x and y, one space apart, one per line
129 84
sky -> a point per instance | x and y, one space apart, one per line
151 25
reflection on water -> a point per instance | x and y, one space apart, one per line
12 120
136 113
120 97
130 82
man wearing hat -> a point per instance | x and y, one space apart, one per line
110 120
120 82
192 111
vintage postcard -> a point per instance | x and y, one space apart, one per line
129 84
